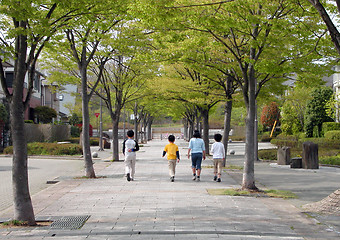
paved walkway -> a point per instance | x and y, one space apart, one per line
152 207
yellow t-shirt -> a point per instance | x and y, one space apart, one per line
171 150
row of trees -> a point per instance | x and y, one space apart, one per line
192 53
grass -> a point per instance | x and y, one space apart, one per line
265 193
14 223
19 224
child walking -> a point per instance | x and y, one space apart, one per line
218 152
130 147
172 152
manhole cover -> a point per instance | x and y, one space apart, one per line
70 222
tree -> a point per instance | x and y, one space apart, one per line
316 110
270 115
26 27
262 42
332 29
293 110
83 42
121 83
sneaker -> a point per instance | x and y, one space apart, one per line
194 178
128 177
198 179
215 178
219 180
172 179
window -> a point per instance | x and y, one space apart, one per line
36 82
9 79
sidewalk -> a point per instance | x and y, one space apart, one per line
152 207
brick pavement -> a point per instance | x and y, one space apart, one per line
152 207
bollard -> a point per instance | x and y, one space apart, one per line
283 156
296 162
310 158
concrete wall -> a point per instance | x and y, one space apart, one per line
47 132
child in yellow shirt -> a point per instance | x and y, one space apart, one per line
172 152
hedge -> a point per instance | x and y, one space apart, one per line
330 126
38 148
335 135
93 141
293 142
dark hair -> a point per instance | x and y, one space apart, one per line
130 133
171 138
218 137
197 134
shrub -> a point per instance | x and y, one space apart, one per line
38 148
29 121
335 135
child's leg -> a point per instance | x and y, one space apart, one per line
172 167
219 167
215 166
133 167
127 166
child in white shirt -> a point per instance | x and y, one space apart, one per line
218 152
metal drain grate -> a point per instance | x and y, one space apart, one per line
70 222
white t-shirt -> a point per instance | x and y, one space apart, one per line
217 150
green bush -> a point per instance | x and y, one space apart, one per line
29 121
330 126
335 135
38 148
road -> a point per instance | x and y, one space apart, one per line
40 171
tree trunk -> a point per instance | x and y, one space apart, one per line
185 129
135 112
191 129
89 170
149 129
23 209
248 172
205 118
227 119
115 141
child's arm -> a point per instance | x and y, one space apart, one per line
136 147
177 155
124 147
164 152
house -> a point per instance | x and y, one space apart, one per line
42 94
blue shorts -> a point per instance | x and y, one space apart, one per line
196 160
